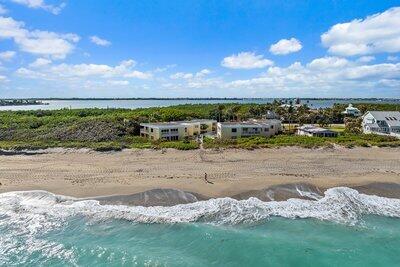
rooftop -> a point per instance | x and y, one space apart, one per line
250 123
392 118
175 123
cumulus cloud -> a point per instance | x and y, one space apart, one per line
246 60
40 4
118 83
76 71
139 75
286 46
320 76
181 75
325 76
40 62
187 76
99 41
328 62
203 73
7 55
37 42
374 34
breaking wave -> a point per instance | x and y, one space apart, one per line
340 204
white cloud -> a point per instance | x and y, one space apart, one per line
3 78
3 10
317 77
366 59
328 62
246 60
99 41
7 55
188 76
37 42
40 4
181 75
118 83
40 62
374 34
80 71
202 73
286 46
139 75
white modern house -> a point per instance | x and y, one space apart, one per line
352 111
311 130
233 130
382 122
177 130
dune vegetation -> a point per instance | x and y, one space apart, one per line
116 129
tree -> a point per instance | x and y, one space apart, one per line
353 125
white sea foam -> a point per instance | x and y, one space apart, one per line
341 204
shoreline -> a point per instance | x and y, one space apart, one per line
234 173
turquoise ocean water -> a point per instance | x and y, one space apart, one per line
344 228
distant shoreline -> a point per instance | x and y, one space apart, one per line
200 98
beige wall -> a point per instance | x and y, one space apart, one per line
225 131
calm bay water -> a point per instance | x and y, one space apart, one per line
132 104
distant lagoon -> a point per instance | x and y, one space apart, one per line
147 103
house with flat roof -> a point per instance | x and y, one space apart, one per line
233 130
311 130
351 111
382 122
176 130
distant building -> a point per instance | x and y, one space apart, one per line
311 130
382 122
176 130
233 130
271 115
352 111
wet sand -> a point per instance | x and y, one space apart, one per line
233 173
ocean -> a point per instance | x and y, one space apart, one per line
147 103
343 228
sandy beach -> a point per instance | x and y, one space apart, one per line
86 173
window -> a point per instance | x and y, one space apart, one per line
234 130
272 126
164 131
185 130
174 130
266 130
151 130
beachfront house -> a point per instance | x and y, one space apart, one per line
311 130
351 111
177 130
382 122
233 130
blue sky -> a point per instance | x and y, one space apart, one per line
125 48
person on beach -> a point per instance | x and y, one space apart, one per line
205 178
